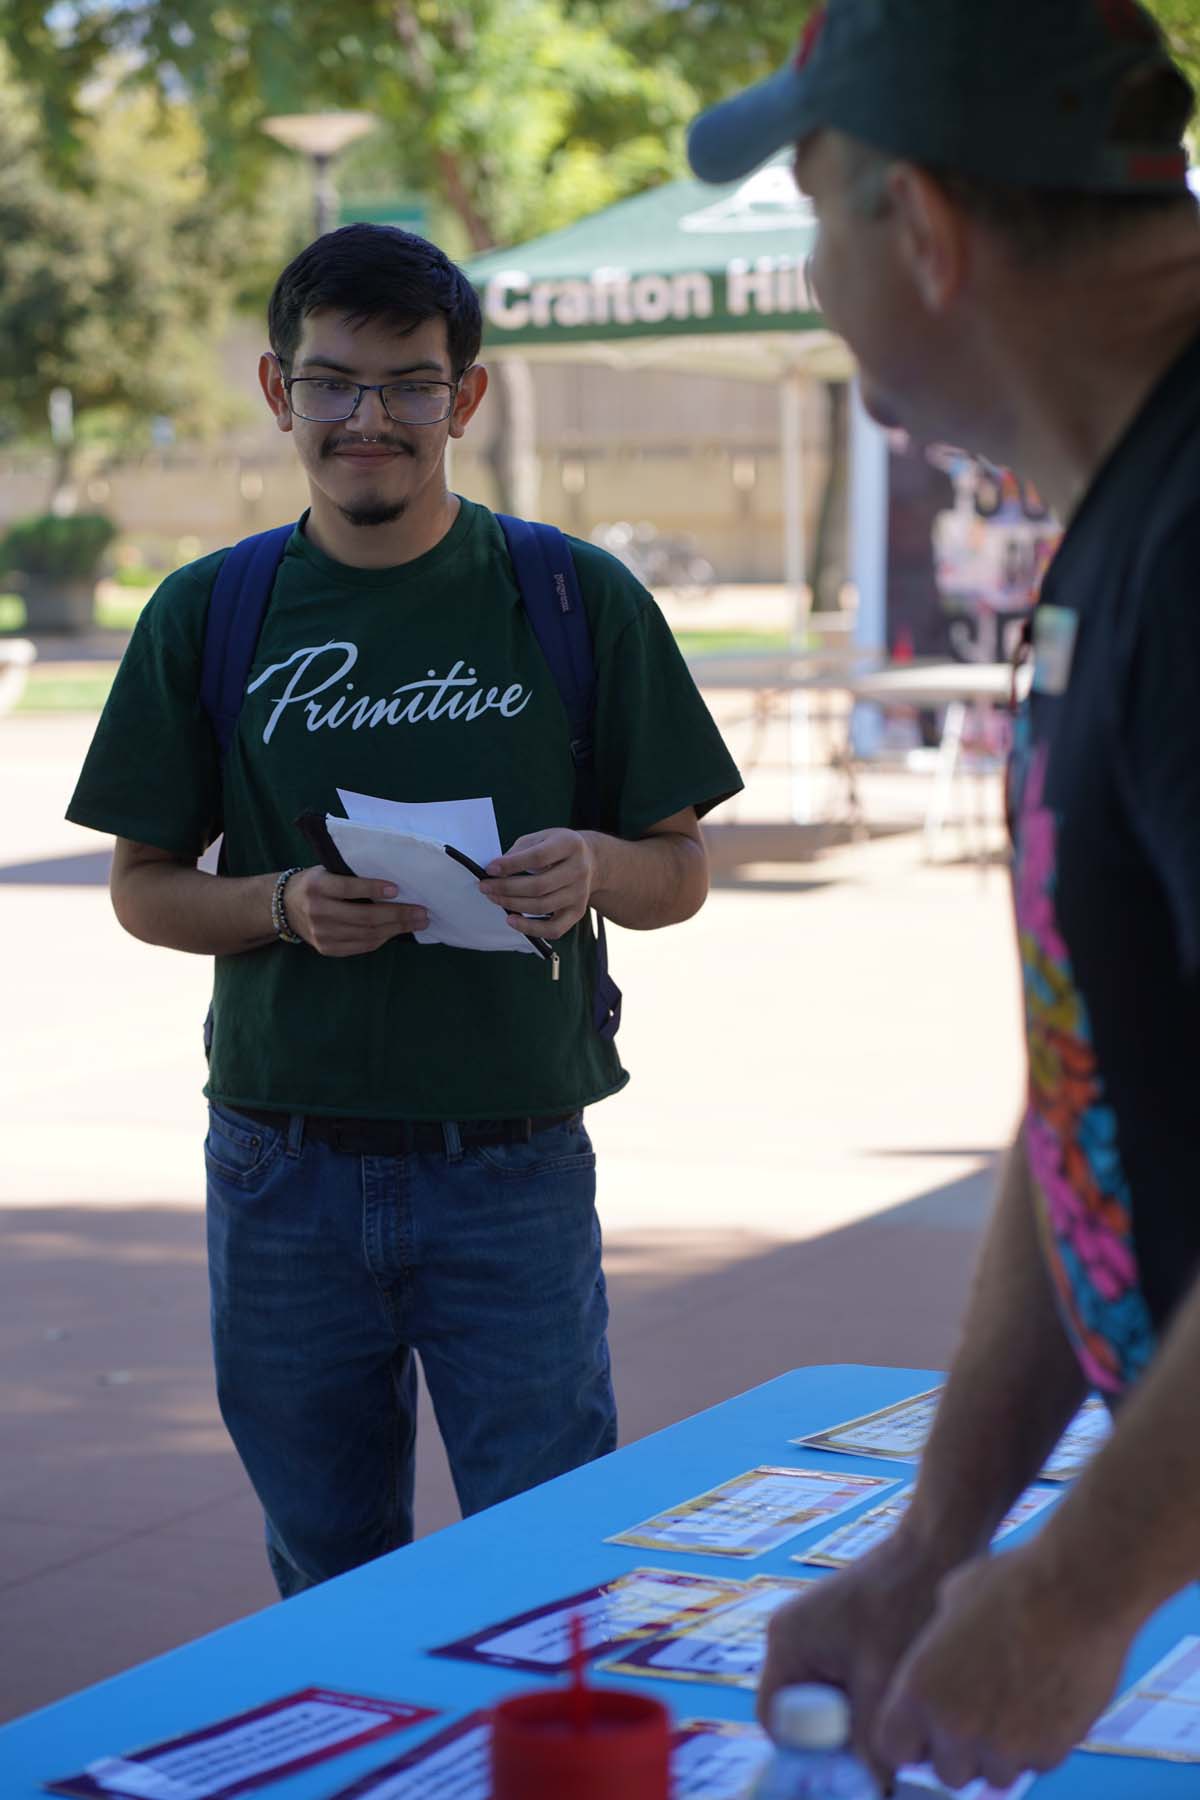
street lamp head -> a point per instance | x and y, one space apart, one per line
320 134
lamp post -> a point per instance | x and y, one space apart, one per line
320 136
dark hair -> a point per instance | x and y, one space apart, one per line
376 272
1041 224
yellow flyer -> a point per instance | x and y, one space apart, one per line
754 1512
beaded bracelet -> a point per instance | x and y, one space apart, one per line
279 918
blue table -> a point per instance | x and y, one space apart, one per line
366 1633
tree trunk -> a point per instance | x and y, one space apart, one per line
829 570
512 455
64 495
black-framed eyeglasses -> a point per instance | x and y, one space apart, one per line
330 399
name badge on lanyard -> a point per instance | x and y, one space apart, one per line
1054 632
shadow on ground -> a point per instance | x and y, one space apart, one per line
126 1526
749 881
101 644
89 868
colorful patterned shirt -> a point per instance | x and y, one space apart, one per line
1104 802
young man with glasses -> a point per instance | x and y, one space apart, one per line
1008 243
397 1160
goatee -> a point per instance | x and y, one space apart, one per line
383 512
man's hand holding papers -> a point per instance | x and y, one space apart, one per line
327 912
545 882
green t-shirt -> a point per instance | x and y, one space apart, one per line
417 683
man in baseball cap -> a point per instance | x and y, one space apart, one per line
1008 243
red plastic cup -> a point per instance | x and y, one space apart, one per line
549 1746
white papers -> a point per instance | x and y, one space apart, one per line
456 1764
642 1603
138 1782
243 1752
918 1784
899 1433
725 1645
753 1512
425 876
1025 1507
1085 1434
716 1759
849 1542
262 1745
470 825
1160 1715
617 1612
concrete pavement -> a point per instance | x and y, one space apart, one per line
825 1063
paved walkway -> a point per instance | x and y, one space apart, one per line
825 1063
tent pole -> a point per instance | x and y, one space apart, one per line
791 403
800 747
869 482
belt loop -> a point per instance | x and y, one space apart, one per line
523 1131
295 1134
452 1140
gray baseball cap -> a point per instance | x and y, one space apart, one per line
1025 91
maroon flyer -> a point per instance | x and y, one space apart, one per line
244 1752
454 1764
641 1603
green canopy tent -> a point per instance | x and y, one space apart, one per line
689 277
680 261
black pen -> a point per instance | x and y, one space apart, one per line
541 945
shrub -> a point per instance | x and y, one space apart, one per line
63 547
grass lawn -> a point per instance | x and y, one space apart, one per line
84 687
701 643
117 608
72 690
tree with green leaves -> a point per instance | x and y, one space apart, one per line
1180 19
115 290
511 116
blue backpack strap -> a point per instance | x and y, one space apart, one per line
236 609
235 615
549 584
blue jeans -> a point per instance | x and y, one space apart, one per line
330 1272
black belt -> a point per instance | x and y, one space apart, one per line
401 1137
